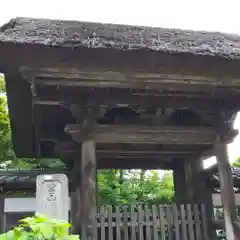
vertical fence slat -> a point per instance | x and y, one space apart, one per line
169 222
133 223
125 223
154 215
110 225
190 221
197 222
118 222
140 219
204 222
162 222
176 222
94 223
183 222
102 222
148 233
186 222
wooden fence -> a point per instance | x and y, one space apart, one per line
175 222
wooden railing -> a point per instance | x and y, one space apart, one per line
138 222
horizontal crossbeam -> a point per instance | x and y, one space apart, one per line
144 134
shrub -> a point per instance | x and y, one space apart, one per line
39 227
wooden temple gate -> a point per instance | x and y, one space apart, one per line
111 96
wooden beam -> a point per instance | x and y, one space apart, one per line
88 191
144 164
143 98
71 149
144 134
134 80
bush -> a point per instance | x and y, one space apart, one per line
39 227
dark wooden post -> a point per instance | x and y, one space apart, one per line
76 211
191 188
179 182
190 181
88 190
226 181
87 166
2 212
226 186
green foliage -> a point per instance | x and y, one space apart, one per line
236 163
131 187
39 228
2 84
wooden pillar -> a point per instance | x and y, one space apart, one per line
209 212
88 191
190 181
184 181
179 182
76 211
191 188
225 174
226 186
2 212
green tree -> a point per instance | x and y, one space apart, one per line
7 155
236 163
132 186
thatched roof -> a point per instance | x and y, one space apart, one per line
119 37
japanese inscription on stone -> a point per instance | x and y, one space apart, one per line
52 196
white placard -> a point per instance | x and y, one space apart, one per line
52 196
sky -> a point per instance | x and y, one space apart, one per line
208 15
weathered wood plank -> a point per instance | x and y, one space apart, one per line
144 134
169 222
54 95
109 79
204 223
88 186
176 221
154 221
118 223
183 221
110 223
71 148
102 222
190 221
76 211
162 222
148 233
197 222
140 224
133 223
125 222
